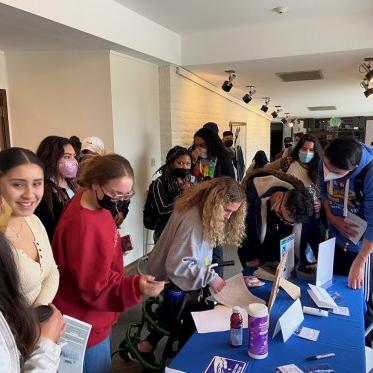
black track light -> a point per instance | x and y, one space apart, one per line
264 107
368 92
365 67
249 96
227 85
276 112
284 120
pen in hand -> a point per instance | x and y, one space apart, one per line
317 357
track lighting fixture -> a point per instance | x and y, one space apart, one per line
368 91
275 113
264 107
286 119
227 85
249 96
365 67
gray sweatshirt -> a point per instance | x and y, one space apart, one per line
181 254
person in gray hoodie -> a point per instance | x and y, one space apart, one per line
206 215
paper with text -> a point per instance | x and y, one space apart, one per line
361 226
325 262
287 245
321 297
216 320
73 344
236 293
289 321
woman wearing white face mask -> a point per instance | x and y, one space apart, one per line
303 164
347 187
60 169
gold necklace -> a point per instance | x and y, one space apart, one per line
17 234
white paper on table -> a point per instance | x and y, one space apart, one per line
290 368
325 262
73 342
216 320
170 370
361 226
321 297
289 321
236 293
287 245
344 311
308 333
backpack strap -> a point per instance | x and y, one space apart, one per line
360 179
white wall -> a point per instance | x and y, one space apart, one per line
111 21
194 102
3 74
59 94
136 129
369 131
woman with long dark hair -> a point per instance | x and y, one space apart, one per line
22 187
25 346
209 156
174 179
259 161
60 168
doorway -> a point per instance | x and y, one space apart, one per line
4 124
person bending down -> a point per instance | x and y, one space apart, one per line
207 214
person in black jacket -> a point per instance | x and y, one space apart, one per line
163 191
210 158
60 169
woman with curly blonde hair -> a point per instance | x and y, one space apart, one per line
206 215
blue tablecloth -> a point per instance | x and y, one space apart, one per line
339 334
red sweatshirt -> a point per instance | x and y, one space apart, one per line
93 288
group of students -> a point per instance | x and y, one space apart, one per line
88 283
195 206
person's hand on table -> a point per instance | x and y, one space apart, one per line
218 284
356 274
346 229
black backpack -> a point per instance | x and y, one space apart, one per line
150 212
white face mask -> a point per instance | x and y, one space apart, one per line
329 176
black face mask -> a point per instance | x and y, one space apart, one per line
108 204
228 143
288 145
183 173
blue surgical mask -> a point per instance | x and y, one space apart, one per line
305 157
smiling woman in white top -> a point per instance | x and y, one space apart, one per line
22 186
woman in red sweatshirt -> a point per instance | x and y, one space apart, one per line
87 250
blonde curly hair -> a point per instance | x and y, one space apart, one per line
211 197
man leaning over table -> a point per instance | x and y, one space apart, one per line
346 178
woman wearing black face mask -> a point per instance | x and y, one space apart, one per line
88 252
174 179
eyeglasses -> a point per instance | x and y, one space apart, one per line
119 197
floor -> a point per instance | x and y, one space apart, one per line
134 314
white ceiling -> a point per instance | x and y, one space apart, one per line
24 32
189 16
340 86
